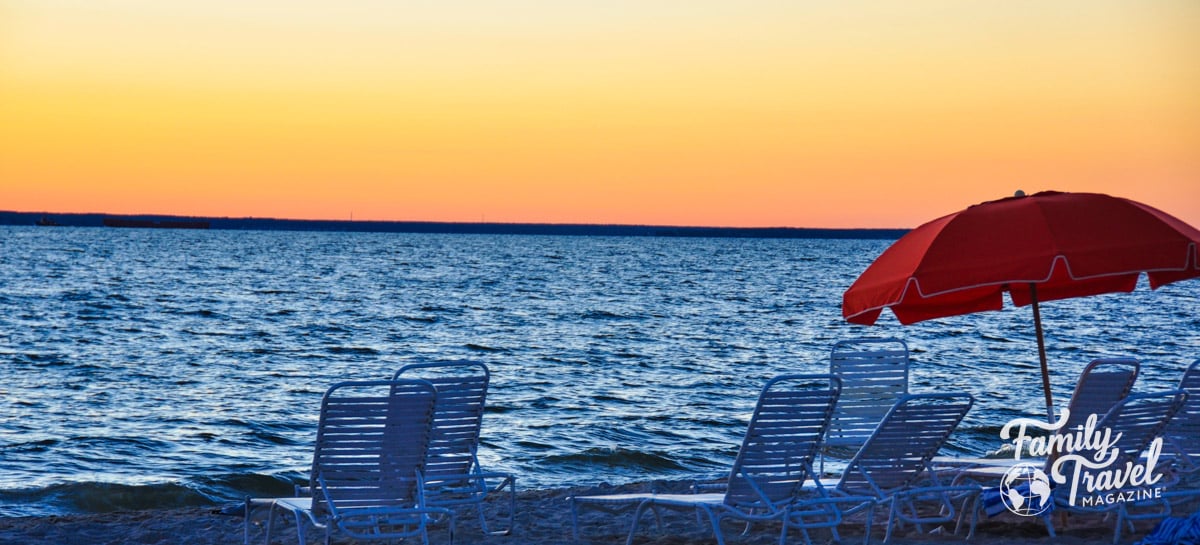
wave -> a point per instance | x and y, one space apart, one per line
616 458
353 350
97 498
103 497
421 319
603 315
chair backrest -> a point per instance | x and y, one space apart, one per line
790 418
371 444
1102 384
874 375
897 454
1183 431
1134 422
462 392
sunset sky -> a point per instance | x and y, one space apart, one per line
716 113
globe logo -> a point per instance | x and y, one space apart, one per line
1025 490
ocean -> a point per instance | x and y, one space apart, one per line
146 368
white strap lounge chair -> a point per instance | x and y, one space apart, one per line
1102 384
775 459
874 374
453 475
1182 444
893 466
1183 431
366 481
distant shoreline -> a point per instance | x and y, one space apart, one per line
268 224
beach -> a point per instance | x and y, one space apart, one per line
543 517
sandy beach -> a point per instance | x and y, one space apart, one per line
543 518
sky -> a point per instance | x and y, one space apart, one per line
790 113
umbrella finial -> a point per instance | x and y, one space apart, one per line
1019 193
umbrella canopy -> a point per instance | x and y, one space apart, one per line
1047 246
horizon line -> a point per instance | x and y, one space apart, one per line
49 214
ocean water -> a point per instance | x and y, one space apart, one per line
159 368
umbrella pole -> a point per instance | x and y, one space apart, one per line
1041 342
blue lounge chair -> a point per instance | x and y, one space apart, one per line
1182 444
453 475
893 467
773 463
366 481
1102 384
1183 431
874 374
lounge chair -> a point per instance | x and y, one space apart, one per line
1102 384
453 475
874 375
366 481
1183 431
1182 442
893 467
775 459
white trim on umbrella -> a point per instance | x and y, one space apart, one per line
1190 263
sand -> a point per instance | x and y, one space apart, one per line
543 518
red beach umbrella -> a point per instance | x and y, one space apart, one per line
1047 246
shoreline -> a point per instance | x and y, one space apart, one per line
543 517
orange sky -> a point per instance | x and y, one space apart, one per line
761 113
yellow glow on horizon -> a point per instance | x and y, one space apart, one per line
766 114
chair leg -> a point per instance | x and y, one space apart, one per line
637 517
716 525
301 535
808 538
482 520
512 506
975 507
246 523
970 506
1048 518
803 533
270 524
512 509
887 534
574 520
870 521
